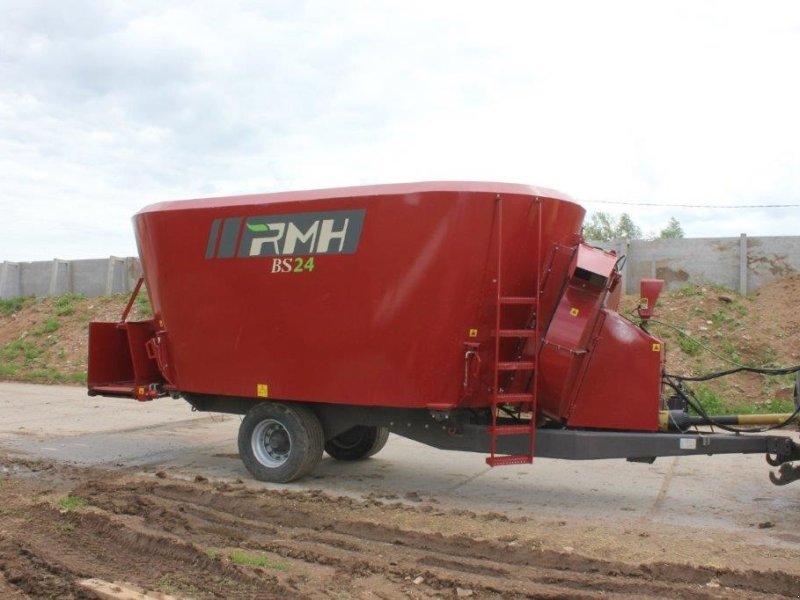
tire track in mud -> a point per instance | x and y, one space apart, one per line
296 526
33 576
52 550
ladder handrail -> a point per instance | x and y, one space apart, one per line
499 289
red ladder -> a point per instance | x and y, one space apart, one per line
515 367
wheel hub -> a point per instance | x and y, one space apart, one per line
271 443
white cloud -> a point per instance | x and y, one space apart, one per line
108 106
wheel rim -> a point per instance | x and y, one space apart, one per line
271 443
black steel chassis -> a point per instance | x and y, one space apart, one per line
468 430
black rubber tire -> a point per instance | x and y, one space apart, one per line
357 443
293 421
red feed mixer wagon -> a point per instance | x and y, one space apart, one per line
466 316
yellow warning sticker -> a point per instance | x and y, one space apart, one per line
656 347
262 390
141 391
574 312
644 302
473 333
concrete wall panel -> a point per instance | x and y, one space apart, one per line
678 262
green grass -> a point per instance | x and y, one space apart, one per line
730 350
73 502
20 348
49 375
7 369
143 303
12 305
48 326
167 584
170 584
711 402
739 308
720 319
688 345
256 560
688 291
772 406
65 305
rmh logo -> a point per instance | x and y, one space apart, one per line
334 232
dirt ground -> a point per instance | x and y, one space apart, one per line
201 539
154 496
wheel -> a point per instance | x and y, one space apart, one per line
357 443
280 442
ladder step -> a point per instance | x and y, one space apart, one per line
514 459
511 429
517 300
511 398
517 332
517 365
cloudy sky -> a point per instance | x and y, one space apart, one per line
108 106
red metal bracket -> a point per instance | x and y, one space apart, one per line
131 300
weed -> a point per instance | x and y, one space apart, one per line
170 584
777 405
167 584
65 305
711 402
7 369
73 502
17 348
768 358
44 375
79 377
256 560
719 318
688 345
774 405
731 351
143 303
708 400
721 289
212 553
48 326
12 305
687 291
66 527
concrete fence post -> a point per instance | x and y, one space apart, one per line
743 264
112 267
54 288
9 279
3 278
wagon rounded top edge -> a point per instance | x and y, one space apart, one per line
392 189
